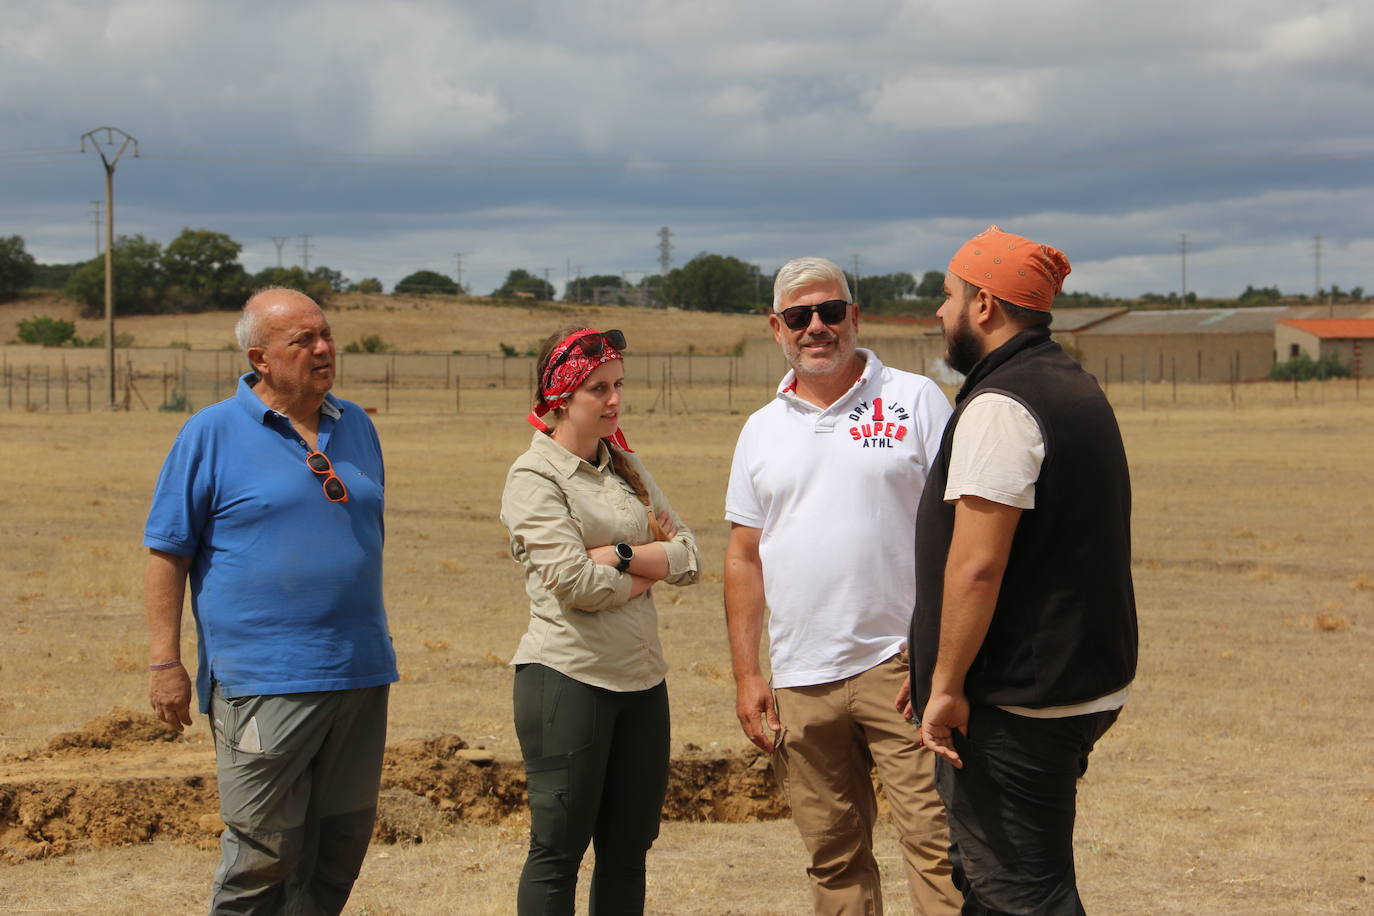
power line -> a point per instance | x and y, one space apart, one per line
305 251
279 241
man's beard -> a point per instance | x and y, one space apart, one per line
805 366
962 352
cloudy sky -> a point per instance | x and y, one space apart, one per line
542 134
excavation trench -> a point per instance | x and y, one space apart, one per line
127 778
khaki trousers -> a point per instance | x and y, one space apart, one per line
832 736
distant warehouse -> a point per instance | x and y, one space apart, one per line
1349 340
1191 345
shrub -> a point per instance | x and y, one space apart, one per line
368 343
508 350
1304 368
50 332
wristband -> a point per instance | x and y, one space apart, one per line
163 666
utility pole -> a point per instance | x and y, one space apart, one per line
567 276
1183 254
305 251
95 219
1317 259
109 161
665 250
856 277
279 241
458 267
547 287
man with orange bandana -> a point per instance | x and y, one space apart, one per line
1024 627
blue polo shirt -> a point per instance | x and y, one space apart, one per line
286 586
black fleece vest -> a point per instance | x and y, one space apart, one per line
1064 630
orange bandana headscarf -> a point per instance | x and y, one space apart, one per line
1012 267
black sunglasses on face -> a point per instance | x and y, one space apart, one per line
799 316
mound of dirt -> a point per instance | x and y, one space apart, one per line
118 728
427 786
42 819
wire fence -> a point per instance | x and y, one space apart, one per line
185 381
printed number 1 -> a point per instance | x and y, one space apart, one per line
877 410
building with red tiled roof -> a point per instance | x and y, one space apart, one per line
1349 340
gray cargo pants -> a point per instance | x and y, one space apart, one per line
298 780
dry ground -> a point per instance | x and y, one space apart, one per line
1240 779
435 324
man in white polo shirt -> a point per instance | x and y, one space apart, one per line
823 494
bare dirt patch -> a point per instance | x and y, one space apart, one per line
127 778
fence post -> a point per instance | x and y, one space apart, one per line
457 394
88 389
66 386
386 383
1173 374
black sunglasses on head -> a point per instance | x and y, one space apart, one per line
593 344
798 317
588 345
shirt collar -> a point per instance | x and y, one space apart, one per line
564 461
248 399
787 388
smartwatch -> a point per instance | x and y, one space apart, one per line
626 554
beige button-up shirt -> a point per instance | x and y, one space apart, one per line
583 622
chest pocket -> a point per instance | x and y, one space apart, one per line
606 510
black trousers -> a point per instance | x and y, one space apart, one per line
1012 808
596 762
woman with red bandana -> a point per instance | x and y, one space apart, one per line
593 533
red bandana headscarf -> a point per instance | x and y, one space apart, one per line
564 373
1012 267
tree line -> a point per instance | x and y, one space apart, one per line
200 270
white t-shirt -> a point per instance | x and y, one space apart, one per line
835 492
996 454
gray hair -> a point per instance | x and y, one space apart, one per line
800 273
249 332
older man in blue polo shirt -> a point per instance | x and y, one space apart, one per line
270 503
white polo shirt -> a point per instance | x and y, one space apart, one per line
835 492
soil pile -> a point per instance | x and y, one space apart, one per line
128 778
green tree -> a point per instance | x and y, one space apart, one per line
16 267
52 276
522 281
932 285
138 283
1252 294
314 285
335 279
585 289
427 281
880 293
366 285
202 271
50 332
713 283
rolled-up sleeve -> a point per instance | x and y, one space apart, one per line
545 536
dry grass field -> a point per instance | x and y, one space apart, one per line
438 324
1240 778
